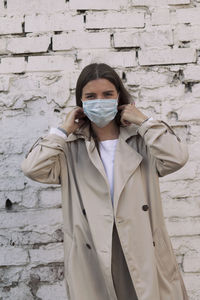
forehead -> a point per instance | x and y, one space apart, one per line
98 85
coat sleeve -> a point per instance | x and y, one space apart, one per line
164 145
42 162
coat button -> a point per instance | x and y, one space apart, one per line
154 243
145 207
88 246
84 212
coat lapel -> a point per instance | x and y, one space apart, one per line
95 158
126 162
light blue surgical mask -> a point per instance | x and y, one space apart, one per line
100 111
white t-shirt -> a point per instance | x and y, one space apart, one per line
107 152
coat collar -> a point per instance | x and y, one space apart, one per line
84 133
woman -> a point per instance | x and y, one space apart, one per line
108 157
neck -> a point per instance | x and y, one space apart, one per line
109 132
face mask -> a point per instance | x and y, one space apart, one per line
100 111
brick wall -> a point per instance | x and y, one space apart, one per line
154 45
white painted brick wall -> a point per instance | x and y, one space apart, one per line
81 40
11 24
155 46
98 5
189 15
187 33
21 7
53 22
165 56
123 20
144 39
160 16
28 44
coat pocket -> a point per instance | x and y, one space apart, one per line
164 256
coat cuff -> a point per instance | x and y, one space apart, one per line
142 126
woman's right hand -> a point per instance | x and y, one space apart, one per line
74 120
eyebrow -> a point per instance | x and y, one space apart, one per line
92 93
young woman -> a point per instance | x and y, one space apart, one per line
108 157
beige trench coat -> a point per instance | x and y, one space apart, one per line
143 154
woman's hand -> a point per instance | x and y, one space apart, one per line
74 120
130 114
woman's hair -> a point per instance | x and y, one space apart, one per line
101 70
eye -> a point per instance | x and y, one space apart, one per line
89 96
108 94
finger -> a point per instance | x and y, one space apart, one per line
79 114
80 123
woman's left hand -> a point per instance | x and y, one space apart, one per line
130 114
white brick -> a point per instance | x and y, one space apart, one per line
47 254
81 40
3 45
149 2
164 57
174 189
35 6
126 39
192 284
178 2
2 9
188 15
156 38
4 83
191 262
21 238
194 188
183 226
192 73
158 2
11 24
189 111
50 63
165 93
19 292
188 171
52 292
194 151
147 79
11 256
115 59
98 5
196 90
187 33
12 65
181 207
114 20
13 183
160 16
49 198
73 78
29 220
53 22
48 274
182 245
28 44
